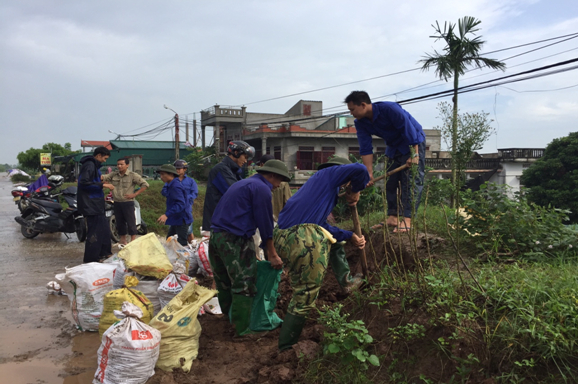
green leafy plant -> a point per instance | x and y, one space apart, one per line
347 340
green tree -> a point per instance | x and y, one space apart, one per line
553 179
30 159
201 162
473 130
460 52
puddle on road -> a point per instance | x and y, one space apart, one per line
38 342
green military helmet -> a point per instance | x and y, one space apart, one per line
336 160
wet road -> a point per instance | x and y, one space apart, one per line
38 342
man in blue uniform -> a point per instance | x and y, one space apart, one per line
405 142
177 213
244 207
190 186
223 175
91 204
307 244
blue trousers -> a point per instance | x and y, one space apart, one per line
409 188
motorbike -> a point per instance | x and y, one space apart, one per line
22 193
44 215
109 212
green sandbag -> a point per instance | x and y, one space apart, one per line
262 316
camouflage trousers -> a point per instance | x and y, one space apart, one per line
305 251
234 263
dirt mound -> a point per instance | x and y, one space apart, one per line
223 359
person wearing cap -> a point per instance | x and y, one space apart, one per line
223 175
307 244
280 195
123 195
244 207
405 142
177 214
190 186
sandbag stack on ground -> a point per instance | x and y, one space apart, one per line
147 256
172 284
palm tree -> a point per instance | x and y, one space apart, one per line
459 53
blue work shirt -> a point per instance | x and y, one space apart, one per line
190 186
318 196
393 124
245 207
178 209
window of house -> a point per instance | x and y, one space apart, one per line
277 152
354 151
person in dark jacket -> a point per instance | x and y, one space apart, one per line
178 213
223 175
90 198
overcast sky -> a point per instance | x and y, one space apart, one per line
72 70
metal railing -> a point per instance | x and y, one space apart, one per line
472 164
521 153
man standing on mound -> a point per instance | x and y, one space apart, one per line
307 244
405 142
244 207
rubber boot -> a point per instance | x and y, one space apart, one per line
225 301
340 268
290 330
240 314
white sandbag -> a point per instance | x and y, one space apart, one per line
86 286
129 349
200 264
120 272
176 252
172 285
150 287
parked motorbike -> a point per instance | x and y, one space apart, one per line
22 194
109 211
43 215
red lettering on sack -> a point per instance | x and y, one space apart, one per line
104 359
101 281
141 335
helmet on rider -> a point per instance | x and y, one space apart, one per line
237 148
181 164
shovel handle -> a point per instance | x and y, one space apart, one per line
398 169
357 229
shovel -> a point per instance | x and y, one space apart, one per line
357 225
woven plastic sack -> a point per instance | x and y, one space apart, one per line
200 264
172 284
129 350
176 252
146 256
263 318
149 287
86 285
180 328
113 301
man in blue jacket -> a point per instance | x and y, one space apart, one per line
90 197
178 214
245 207
223 175
405 142
190 186
307 244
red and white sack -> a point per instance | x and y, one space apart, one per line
200 264
86 285
172 284
129 350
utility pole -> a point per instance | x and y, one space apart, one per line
177 144
187 131
194 129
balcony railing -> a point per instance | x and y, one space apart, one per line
521 153
472 164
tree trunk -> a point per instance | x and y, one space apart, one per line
454 148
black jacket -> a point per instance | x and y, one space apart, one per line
221 177
90 195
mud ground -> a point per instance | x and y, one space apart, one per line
40 344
